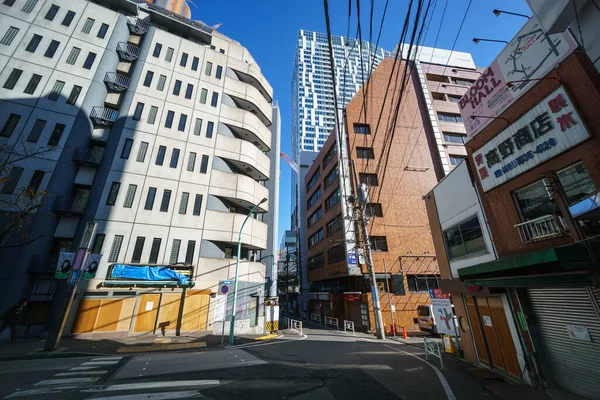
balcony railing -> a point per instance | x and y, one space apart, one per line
116 82
127 51
89 156
542 228
43 264
104 116
70 205
137 26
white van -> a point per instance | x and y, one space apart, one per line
427 319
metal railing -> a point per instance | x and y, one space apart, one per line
304 315
115 81
295 326
89 155
349 326
70 204
127 51
104 115
316 318
43 264
137 25
332 322
434 348
545 227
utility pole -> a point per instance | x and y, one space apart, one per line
287 279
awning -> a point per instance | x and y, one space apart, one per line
588 208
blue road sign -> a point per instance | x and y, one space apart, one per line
227 282
224 289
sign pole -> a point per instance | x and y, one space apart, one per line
224 320
387 286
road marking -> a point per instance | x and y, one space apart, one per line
101 372
107 359
158 385
66 381
189 394
83 368
443 381
269 343
100 363
36 392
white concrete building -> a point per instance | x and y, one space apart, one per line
156 128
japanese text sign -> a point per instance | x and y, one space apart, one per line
530 55
548 129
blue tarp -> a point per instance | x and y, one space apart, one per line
146 273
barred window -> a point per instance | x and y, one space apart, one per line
87 26
73 55
115 249
185 197
141 155
197 126
191 161
175 251
9 36
130 196
152 115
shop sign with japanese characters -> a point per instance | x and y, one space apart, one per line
545 131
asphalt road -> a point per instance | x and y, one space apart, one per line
321 364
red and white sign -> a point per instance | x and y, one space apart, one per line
530 55
352 297
548 129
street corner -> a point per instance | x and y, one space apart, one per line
267 337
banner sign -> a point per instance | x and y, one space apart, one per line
548 129
530 55
91 266
442 312
64 265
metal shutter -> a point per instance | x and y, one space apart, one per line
571 361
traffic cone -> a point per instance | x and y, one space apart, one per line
404 335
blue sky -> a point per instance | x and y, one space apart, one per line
269 28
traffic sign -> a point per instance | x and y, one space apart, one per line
224 289
227 282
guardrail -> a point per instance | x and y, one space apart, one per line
315 318
332 322
349 326
433 348
304 315
296 326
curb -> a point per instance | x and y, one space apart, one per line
48 355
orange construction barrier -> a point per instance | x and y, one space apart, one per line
404 335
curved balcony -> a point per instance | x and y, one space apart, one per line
244 156
137 26
250 73
249 98
104 116
89 156
220 269
225 227
127 51
116 82
70 205
246 125
238 189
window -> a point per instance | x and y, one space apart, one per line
175 251
436 78
51 13
33 84
182 123
177 87
191 161
10 125
197 204
378 243
209 129
183 203
189 90
89 60
33 43
87 26
576 182
335 225
115 249
137 114
332 177
336 253
313 180
152 115
9 36
315 238
130 196
169 55
373 210
315 216
150 198
203 94
362 129
219 72
204 164
148 78
453 99
222 51
13 78
212 47
12 180
459 81
365 153
331 154
208 68
126 148
157 50
215 99
195 62
446 117
197 126
368 179
169 120
455 138
535 200
464 239
52 49
333 199
438 96
98 242
184 58
113 193
35 182
161 83
102 31
174 158
189 254
36 131
74 94
313 199
141 155
137 249
160 155
422 283
455 160
73 55
154 251
228 252
68 18
316 262
56 134
164 204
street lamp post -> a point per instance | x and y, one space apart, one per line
477 40
237 272
498 12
